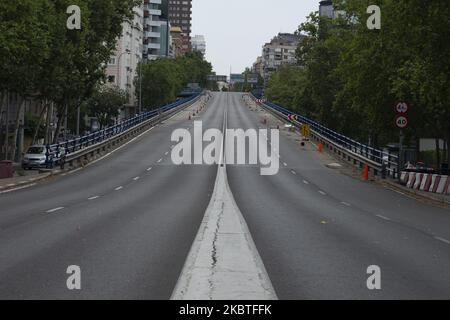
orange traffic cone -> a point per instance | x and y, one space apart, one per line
365 174
320 147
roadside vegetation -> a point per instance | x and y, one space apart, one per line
350 78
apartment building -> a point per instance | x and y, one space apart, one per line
279 51
258 66
122 66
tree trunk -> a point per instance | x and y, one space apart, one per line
41 117
20 102
2 96
60 121
6 141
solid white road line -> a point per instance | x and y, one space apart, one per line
16 189
383 217
442 240
54 210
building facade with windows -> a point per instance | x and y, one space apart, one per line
122 66
199 44
180 15
281 50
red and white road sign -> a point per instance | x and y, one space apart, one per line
402 108
401 121
292 117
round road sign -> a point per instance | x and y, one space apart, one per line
401 122
402 107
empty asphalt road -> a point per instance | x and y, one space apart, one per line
129 222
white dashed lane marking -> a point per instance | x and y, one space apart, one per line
322 193
149 169
118 188
54 210
346 204
159 161
136 178
305 182
93 198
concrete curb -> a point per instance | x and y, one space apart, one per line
434 197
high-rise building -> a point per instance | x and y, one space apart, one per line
180 15
199 44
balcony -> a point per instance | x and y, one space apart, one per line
153 46
150 34
155 12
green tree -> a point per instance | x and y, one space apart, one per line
105 104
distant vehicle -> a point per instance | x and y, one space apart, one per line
36 157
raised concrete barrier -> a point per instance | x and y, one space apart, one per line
433 183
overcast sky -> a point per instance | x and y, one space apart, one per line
236 30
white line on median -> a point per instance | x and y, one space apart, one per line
54 210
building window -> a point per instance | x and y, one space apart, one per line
111 79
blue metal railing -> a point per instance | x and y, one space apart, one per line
57 152
380 157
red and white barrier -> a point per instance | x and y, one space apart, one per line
426 182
